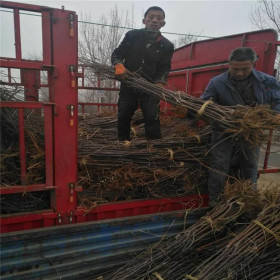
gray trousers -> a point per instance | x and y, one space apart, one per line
225 151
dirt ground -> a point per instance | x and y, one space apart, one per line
273 162
272 179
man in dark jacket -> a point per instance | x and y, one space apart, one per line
243 85
149 54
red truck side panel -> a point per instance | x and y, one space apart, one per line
192 67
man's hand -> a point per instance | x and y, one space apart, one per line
121 72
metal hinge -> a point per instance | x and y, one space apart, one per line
59 218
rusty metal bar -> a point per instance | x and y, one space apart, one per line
9 75
22 6
48 114
46 37
17 34
22 146
267 152
99 88
271 170
97 104
20 189
83 78
27 64
20 104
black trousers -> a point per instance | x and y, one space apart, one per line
127 105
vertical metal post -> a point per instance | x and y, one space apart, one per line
243 41
83 76
17 34
187 81
98 81
65 54
46 37
9 75
30 80
267 152
22 151
48 115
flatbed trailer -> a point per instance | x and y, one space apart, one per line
67 241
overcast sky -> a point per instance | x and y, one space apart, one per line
207 18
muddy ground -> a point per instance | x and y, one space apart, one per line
273 162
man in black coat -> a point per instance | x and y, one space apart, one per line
148 53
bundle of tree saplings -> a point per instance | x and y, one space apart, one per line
233 241
249 123
34 143
110 170
247 249
10 169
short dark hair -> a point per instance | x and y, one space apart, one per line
156 8
242 54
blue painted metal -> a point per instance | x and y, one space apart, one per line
83 251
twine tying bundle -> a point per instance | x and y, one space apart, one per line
202 109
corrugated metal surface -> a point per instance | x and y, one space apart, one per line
83 251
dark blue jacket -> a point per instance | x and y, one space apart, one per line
266 89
